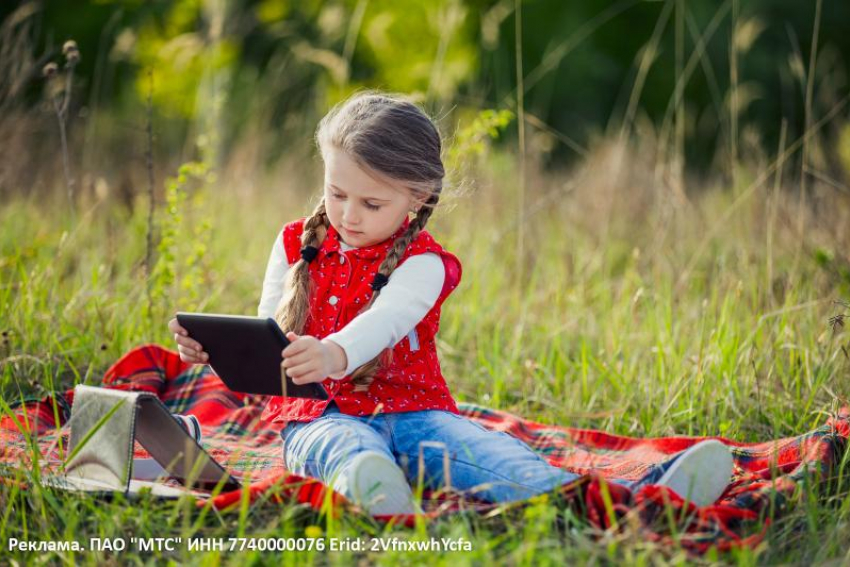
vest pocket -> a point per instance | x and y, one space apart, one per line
413 340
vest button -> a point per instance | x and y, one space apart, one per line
333 300
341 259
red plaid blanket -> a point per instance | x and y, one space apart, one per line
765 473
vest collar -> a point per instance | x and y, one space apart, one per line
375 251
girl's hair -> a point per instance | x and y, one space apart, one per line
391 136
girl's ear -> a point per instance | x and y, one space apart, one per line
417 201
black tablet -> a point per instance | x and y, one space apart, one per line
245 353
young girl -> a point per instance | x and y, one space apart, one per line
359 285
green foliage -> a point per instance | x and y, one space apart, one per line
471 141
182 56
181 271
283 63
271 11
836 267
422 46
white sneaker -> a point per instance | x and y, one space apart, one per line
701 473
379 485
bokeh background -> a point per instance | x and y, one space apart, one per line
711 83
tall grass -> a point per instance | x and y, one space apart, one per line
610 298
595 333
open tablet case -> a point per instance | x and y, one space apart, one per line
104 461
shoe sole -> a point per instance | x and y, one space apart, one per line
701 473
379 485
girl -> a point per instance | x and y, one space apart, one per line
359 285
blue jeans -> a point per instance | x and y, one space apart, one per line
439 445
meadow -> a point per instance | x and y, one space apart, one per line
629 310
624 289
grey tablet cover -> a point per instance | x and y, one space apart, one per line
106 422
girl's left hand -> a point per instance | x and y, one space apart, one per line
307 359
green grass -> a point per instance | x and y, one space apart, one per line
634 313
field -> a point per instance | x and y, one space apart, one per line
629 311
665 252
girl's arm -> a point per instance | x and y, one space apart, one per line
276 270
411 292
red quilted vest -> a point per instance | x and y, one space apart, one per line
412 381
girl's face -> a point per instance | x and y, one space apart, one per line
363 207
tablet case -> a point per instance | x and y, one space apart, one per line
245 353
106 422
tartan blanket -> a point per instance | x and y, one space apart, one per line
765 473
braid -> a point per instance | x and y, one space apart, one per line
364 374
294 306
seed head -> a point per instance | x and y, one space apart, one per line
50 70
71 52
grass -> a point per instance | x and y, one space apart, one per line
604 297
597 328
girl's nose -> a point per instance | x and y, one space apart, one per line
349 215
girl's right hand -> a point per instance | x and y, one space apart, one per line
190 349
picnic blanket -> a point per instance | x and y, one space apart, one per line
765 474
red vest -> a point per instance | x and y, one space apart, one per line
412 380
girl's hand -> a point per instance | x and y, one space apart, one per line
190 349
307 359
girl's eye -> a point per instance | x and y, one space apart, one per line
370 206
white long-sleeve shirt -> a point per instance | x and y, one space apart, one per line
412 290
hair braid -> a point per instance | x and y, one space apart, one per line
364 374
294 306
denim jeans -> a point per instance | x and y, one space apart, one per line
491 465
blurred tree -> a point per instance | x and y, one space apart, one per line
236 67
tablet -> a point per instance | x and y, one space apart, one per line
245 353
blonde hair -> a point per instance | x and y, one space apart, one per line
392 136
